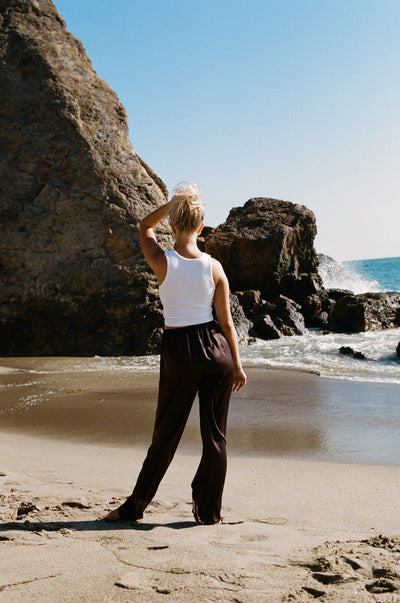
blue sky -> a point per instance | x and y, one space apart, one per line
292 99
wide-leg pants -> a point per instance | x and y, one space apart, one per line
194 360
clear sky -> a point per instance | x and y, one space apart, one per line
291 99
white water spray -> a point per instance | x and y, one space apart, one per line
337 275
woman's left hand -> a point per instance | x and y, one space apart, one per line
239 379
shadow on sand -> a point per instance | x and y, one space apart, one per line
97 525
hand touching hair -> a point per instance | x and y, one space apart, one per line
186 210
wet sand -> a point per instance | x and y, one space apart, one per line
279 413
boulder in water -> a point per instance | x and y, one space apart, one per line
287 317
348 351
265 328
317 309
398 350
272 320
367 312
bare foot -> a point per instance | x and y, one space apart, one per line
112 516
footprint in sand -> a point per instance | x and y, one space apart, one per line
76 504
273 521
132 581
255 538
381 586
157 506
26 508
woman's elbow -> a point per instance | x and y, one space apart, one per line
227 325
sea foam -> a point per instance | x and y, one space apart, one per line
339 275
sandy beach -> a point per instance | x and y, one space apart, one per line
294 529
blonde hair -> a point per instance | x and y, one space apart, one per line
186 211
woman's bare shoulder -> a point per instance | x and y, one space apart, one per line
218 271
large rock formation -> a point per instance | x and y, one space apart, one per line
266 249
72 189
267 245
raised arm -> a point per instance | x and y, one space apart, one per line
224 316
152 251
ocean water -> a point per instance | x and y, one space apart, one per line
319 353
385 272
361 276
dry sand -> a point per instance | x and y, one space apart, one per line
293 530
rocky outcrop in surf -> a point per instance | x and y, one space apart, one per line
267 245
73 279
341 311
368 311
346 350
266 248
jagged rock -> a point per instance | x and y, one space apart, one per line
274 319
268 245
348 351
287 317
336 294
72 190
265 327
317 309
242 324
302 287
249 300
367 312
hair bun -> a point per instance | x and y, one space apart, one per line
187 190
186 210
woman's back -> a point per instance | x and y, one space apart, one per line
187 290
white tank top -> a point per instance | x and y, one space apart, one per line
187 291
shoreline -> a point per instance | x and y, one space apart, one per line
281 516
284 414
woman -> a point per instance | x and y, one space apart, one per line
198 356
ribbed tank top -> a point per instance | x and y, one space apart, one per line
187 291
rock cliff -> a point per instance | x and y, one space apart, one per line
72 190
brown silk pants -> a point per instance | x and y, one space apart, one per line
195 359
